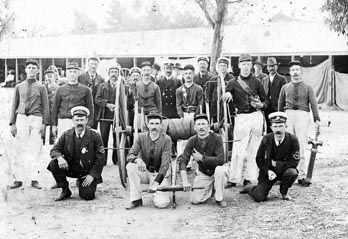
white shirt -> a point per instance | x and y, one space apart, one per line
81 134
277 142
271 78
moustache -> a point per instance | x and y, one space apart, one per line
79 125
147 74
154 129
278 132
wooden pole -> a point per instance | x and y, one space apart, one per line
332 82
17 79
134 61
40 70
5 67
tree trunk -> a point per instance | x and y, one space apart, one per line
218 33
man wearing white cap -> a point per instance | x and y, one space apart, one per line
105 99
92 80
79 154
277 158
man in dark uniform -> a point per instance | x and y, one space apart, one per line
92 80
258 70
212 86
277 158
203 75
105 99
206 148
272 85
168 85
80 154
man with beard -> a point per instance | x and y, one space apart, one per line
148 163
68 96
177 72
249 98
206 148
272 85
79 154
29 116
92 80
277 159
258 70
148 92
203 76
105 99
212 87
168 85
296 99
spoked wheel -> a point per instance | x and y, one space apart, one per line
121 129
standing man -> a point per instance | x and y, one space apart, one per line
156 69
212 87
79 154
148 92
249 98
272 85
206 148
168 85
29 116
258 70
296 99
51 87
68 96
203 76
148 163
277 158
105 99
177 71
92 80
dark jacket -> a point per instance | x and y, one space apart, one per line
101 99
195 98
202 81
94 157
289 158
168 89
273 89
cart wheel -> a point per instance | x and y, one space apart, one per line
119 127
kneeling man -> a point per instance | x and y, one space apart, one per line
206 148
277 158
79 153
148 163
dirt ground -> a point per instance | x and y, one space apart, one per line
319 211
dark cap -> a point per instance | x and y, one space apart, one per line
135 70
73 65
295 63
178 65
201 116
257 62
80 111
154 115
156 66
277 117
244 57
272 61
223 60
146 63
48 71
32 62
203 58
189 67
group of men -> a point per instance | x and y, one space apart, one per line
86 99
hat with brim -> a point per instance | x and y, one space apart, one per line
80 111
73 65
49 72
135 70
223 60
156 66
154 115
272 61
178 66
93 58
244 57
32 62
203 58
278 117
189 67
201 116
115 66
295 63
146 63
257 62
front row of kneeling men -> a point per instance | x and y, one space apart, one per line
79 153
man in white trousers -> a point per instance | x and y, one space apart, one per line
296 99
29 117
249 98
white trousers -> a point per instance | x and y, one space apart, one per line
64 125
136 178
26 163
248 129
217 180
298 123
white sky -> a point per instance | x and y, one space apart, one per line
57 15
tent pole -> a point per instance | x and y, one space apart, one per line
333 81
5 68
17 79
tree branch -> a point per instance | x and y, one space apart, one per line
203 5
